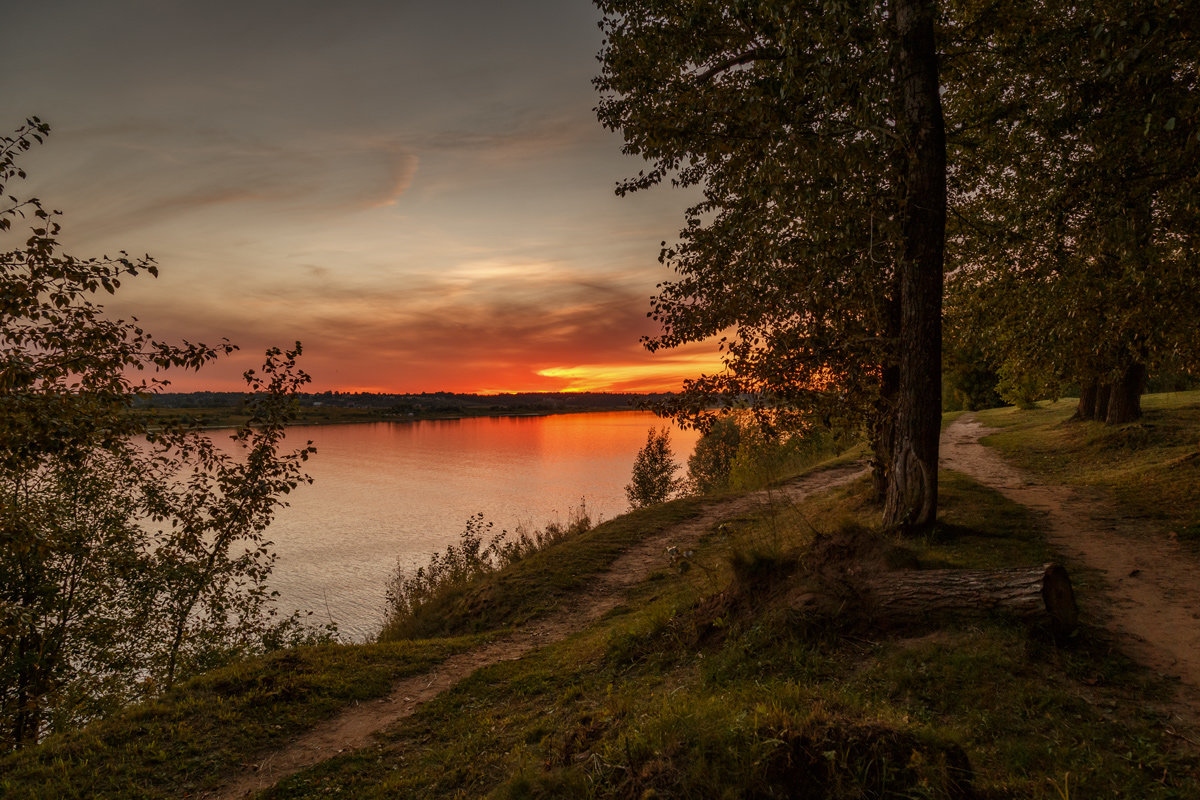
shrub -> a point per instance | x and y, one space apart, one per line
653 480
710 462
477 553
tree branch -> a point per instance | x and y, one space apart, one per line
748 57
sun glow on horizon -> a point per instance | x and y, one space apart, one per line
656 377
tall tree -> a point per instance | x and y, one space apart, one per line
921 201
813 134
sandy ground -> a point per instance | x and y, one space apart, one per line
354 727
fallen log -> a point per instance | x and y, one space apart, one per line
914 596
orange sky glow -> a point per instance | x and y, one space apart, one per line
419 193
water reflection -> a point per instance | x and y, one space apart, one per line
384 491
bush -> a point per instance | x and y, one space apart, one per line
474 556
764 458
654 469
710 462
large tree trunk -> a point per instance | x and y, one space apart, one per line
916 596
1103 395
1086 410
883 432
1125 396
912 479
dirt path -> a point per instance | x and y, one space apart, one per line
1153 584
353 728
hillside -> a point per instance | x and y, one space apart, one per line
605 667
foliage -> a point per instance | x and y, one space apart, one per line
740 453
968 380
1078 218
653 480
789 250
540 582
815 137
409 593
97 607
765 457
709 464
209 600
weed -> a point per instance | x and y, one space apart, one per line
477 553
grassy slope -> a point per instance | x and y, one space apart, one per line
188 739
696 687
662 699
1146 467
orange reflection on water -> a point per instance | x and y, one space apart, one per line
388 491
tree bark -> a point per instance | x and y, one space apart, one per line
1125 396
1103 395
1086 410
915 596
911 503
883 432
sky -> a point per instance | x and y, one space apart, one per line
419 192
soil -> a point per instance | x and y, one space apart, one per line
354 727
1152 586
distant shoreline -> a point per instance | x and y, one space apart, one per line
219 418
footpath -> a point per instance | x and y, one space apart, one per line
354 727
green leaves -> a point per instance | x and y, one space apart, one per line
653 480
99 607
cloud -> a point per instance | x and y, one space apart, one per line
529 136
401 169
485 325
139 176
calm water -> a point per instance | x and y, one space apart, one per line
386 491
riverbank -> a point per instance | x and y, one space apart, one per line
704 680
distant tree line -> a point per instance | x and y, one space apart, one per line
423 402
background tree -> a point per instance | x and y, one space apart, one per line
814 134
653 480
712 458
84 582
1076 266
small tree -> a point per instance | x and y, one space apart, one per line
654 469
97 607
710 462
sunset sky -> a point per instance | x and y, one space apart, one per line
417 191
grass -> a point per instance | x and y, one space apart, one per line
185 741
661 699
534 586
1150 468
705 683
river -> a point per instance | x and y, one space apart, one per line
387 493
